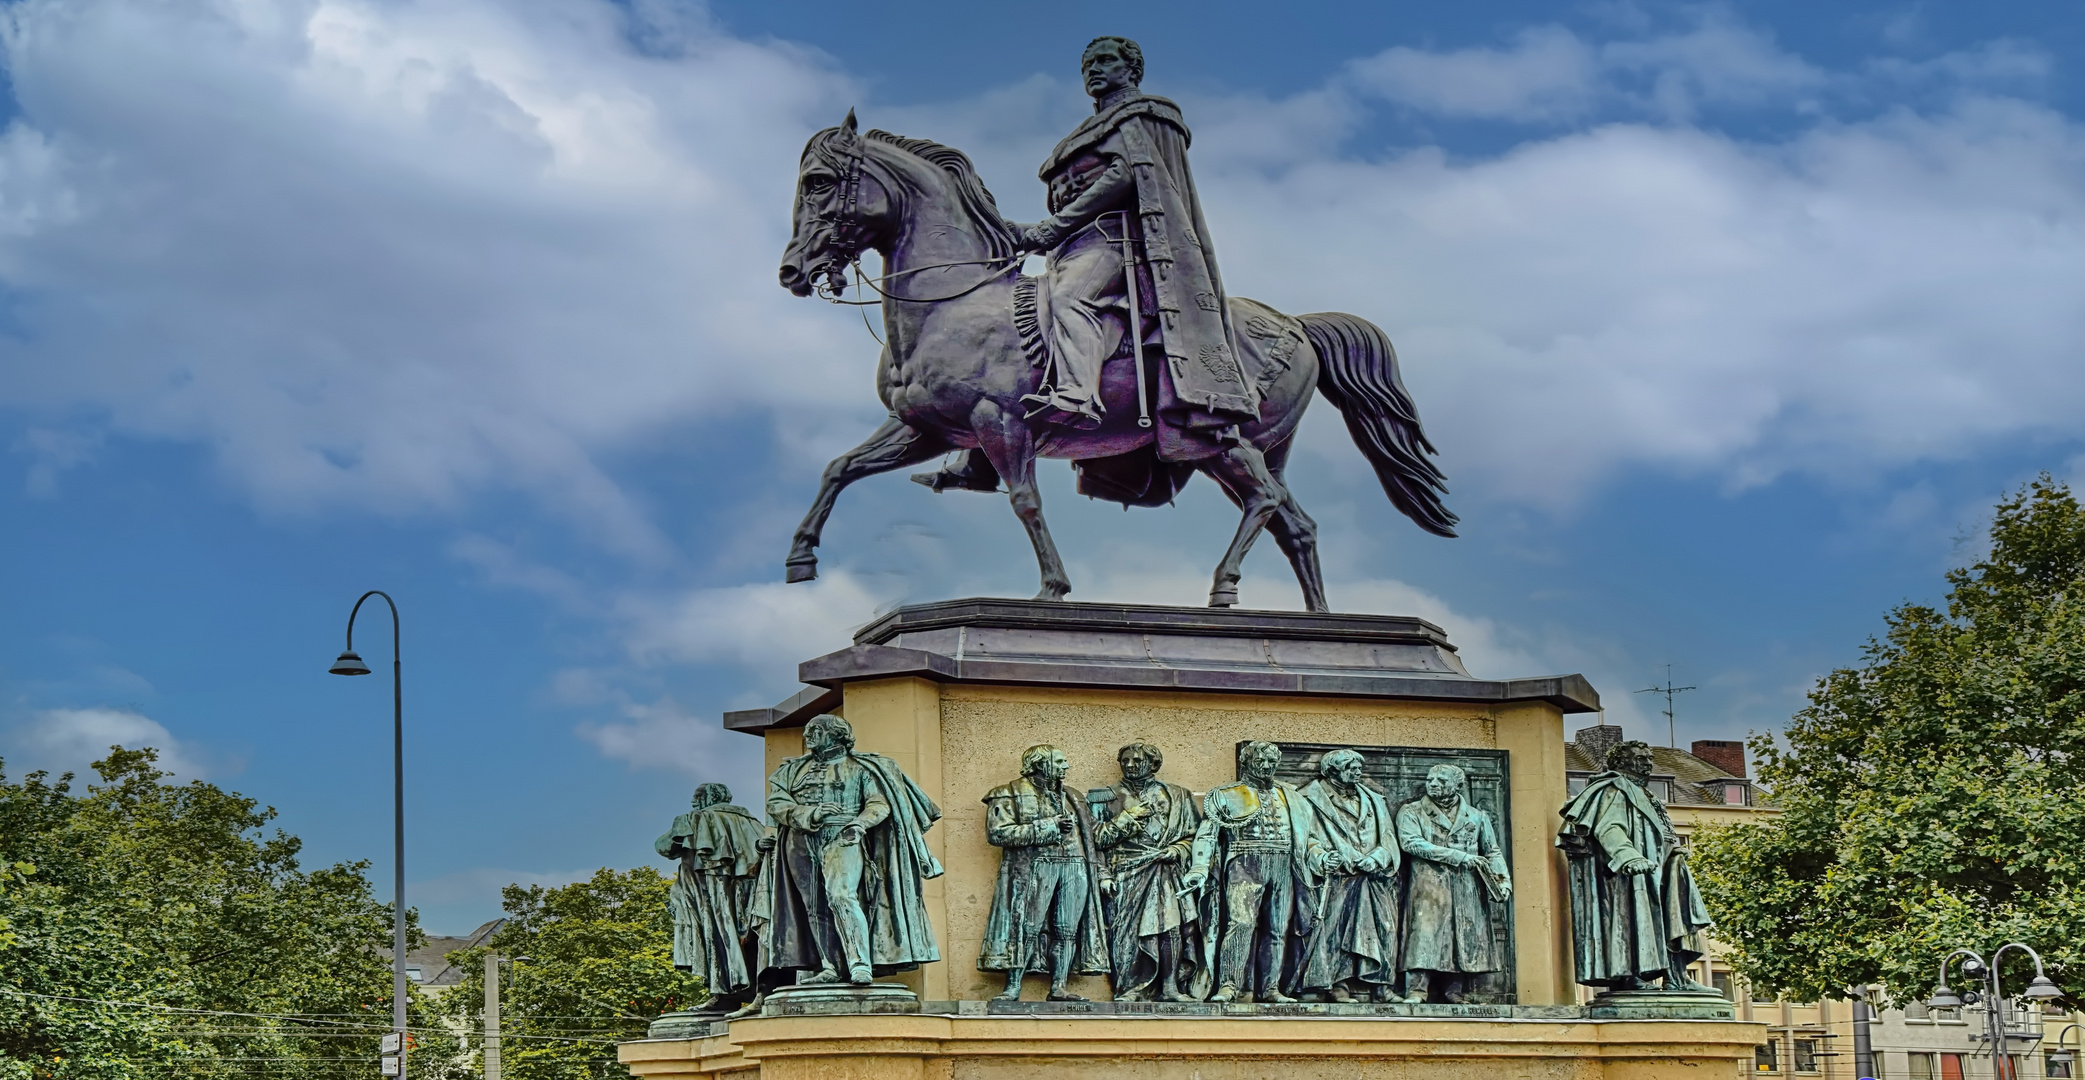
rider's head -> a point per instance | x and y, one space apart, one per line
1110 64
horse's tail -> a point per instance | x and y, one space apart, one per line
1357 372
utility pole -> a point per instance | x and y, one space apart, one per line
492 1016
1671 727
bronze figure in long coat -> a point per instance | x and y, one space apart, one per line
1147 831
1458 890
1353 942
1635 914
718 847
1046 907
850 856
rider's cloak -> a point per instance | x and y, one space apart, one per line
1209 390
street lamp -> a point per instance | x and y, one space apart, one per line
351 664
2040 989
2061 1056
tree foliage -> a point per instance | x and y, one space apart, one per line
1933 797
598 969
170 897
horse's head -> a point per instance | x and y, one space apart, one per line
841 210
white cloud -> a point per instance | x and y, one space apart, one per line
755 626
69 740
1548 73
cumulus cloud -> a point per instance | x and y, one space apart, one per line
69 740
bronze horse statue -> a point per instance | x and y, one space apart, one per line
955 367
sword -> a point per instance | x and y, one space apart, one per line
1136 324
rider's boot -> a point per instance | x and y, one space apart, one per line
973 473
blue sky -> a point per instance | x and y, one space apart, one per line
1731 322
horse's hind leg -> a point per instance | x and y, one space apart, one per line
1297 534
1009 444
1242 470
893 446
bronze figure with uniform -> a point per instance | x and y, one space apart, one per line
1458 891
850 857
1046 904
1147 831
1253 849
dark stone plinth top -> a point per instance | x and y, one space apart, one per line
1143 647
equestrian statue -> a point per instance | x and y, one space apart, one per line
1125 355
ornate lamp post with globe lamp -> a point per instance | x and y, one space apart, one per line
351 664
1975 967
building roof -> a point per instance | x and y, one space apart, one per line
433 958
1694 782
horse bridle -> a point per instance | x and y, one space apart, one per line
850 233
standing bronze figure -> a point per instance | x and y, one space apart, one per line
1352 947
1046 910
1459 886
711 899
1254 846
851 853
1635 914
975 347
1154 928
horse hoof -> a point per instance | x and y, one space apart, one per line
1223 598
1053 595
801 571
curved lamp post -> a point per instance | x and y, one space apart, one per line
2061 1056
2040 989
351 664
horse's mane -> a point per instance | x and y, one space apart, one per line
970 188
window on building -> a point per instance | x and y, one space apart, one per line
1737 794
1916 1011
1661 789
1718 979
1572 785
2056 1069
1806 1055
1950 1067
1919 1066
1764 1058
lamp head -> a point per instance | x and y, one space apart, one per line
1944 998
2062 1057
2041 989
348 664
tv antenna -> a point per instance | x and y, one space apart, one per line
1671 728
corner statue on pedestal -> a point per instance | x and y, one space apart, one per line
1635 914
711 898
850 855
1006 369
1046 913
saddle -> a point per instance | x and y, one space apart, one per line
1267 341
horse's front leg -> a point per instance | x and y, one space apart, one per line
1006 440
1243 471
893 446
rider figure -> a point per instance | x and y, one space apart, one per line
1126 168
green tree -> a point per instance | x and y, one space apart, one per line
171 897
1932 796
599 969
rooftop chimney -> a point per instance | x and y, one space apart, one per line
1722 753
1597 740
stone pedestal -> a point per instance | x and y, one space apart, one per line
840 999
956 691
